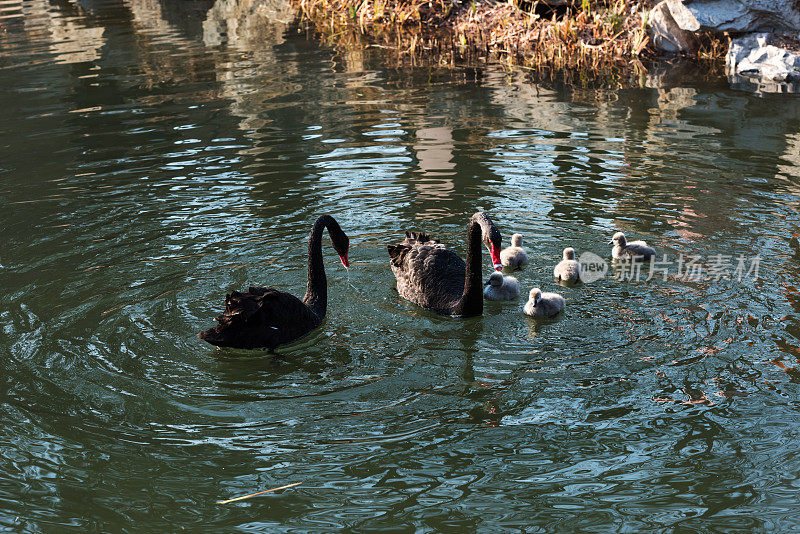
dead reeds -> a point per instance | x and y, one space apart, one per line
583 35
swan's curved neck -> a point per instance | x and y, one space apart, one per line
484 221
471 301
316 296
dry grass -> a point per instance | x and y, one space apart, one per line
590 36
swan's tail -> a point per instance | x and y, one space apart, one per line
396 253
413 238
240 325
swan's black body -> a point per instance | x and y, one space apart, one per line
264 317
432 276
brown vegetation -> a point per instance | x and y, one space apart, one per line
579 35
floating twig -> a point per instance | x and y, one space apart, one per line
256 494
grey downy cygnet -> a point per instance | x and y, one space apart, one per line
514 256
635 250
543 304
501 287
568 270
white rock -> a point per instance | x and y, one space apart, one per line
736 15
674 23
665 31
684 17
765 57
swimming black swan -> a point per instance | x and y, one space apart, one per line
264 317
432 276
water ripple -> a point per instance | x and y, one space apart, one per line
162 154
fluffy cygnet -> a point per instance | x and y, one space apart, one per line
514 256
501 288
568 270
543 304
635 250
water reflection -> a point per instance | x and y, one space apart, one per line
163 153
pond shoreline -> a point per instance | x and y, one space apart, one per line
596 38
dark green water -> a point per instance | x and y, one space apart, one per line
152 161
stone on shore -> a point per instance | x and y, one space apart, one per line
765 62
666 33
737 15
675 24
764 54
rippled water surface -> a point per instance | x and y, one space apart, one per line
156 155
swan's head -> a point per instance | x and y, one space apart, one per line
618 239
516 240
340 242
569 253
535 295
495 279
491 237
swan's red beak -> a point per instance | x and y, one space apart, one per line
495 252
345 261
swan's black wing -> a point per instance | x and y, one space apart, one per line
263 317
397 252
428 273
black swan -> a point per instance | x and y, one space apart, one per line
432 276
264 317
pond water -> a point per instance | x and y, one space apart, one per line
157 155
